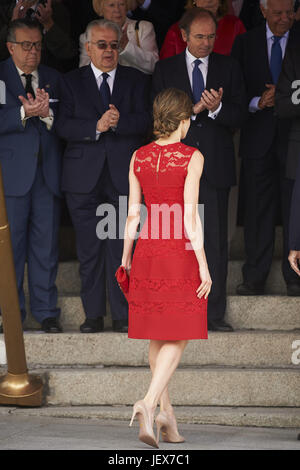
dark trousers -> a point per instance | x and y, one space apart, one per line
265 192
98 258
34 226
215 202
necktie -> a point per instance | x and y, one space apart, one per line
198 82
105 91
28 85
276 58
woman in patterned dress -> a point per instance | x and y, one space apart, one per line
169 276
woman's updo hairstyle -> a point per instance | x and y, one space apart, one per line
170 107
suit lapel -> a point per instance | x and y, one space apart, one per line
12 79
91 88
261 48
119 88
183 78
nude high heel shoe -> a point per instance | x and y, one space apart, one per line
146 433
166 423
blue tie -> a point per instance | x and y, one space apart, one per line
105 91
198 82
276 58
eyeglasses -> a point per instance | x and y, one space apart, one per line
104 45
27 45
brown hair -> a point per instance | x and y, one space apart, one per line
170 107
222 10
193 14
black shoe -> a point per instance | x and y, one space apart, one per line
121 326
250 288
51 325
92 325
293 289
218 325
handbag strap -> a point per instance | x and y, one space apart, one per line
137 24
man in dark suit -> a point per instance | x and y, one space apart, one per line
104 117
287 105
263 146
30 156
59 51
294 255
215 84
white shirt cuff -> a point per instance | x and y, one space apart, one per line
253 105
48 120
214 114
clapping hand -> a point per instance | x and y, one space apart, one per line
36 107
20 10
108 119
44 15
267 99
210 100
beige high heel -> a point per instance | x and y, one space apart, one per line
166 423
146 433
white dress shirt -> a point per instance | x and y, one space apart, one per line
35 84
253 105
204 69
99 79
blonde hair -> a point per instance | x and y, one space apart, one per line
98 6
170 107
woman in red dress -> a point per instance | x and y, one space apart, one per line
229 26
169 276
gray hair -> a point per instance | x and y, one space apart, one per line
22 23
265 2
102 23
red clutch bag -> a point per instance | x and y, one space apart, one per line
123 280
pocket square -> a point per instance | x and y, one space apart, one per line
53 100
123 280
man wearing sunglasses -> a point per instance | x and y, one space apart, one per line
104 118
30 156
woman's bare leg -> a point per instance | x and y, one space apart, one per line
168 355
154 348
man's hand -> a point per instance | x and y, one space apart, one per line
108 119
20 10
43 97
211 99
267 99
44 15
294 259
38 107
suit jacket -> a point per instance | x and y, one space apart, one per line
20 145
143 56
294 229
258 132
287 105
59 50
212 137
80 110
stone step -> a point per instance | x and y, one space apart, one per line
227 416
190 386
68 281
238 349
267 312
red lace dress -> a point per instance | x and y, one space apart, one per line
163 303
